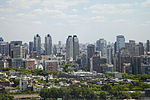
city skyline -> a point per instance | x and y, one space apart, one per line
23 19
74 49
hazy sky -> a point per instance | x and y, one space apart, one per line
88 19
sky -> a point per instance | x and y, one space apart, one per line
90 20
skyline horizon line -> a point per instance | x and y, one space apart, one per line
64 41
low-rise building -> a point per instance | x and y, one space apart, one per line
23 84
51 65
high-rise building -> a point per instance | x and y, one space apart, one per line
12 45
115 48
59 51
136 65
69 48
131 47
4 48
83 59
31 47
18 51
120 42
137 50
148 46
72 48
1 39
109 54
141 48
75 47
95 62
37 44
54 49
101 45
26 49
48 45
90 53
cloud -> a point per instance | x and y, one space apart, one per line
110 9
146 3
62 4
6 10
74 10
37 22
120 21
145 23
54 13
22 4
99 19
25 15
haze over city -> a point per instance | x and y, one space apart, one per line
89 19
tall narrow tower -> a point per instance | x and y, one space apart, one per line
120 42
101 45
75 47
37 44
69 48
48 45
148 46
90 53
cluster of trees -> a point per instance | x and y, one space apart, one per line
28 71
66 68
15 81
67 93
4 95
26 91
139 77
105 91
119 91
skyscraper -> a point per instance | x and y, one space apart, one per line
132 47
101 45
12 45
18 51
148 46
136 65
141 48
90 53
109 54
95 62
1 39
37 44
75 47
69 48
31 46
59 51
48 45
4 48
72 48
120 42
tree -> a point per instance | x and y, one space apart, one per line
123 95
106 87
136 95
102 94
65 67
15 81
85 68
6 97
70 92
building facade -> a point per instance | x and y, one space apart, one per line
101 45
69 49
48 45
75 48
90 53
120 42
37 44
